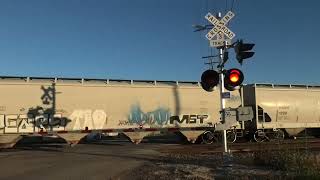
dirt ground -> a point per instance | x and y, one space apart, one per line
205 167
157 160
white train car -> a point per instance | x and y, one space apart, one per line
282 109
73 108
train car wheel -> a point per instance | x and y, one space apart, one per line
208 137
231 136
259 136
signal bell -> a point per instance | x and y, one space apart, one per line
209 79
233 79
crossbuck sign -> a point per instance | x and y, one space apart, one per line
220 25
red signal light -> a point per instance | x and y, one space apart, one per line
233 79
234 76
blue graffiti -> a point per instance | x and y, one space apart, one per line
159 116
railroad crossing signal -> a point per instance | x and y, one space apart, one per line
230 79
242 51
220 25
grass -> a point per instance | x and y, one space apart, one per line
295 162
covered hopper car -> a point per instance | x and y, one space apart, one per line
282 110
73 108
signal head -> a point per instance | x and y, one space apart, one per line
209 79
233 79
242 51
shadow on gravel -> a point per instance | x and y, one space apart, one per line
42 147
165 138
168 138
105 143
10 150
40 143
204 161
138 155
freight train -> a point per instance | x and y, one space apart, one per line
72 108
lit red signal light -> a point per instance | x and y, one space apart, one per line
234 76
233 79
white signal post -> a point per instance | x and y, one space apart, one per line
220 30
223 103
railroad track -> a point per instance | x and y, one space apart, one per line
173 146
290 144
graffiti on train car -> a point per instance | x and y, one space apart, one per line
28 123
93 119
188 119
158 116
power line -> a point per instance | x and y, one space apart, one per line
232 5
226 8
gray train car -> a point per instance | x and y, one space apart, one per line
282 109
73 108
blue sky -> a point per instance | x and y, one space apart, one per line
154 39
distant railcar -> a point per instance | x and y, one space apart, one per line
73 108
282 110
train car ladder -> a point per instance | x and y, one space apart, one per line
261 114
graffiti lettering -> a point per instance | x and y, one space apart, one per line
159 116
96 119
27 123
189 119
2 125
